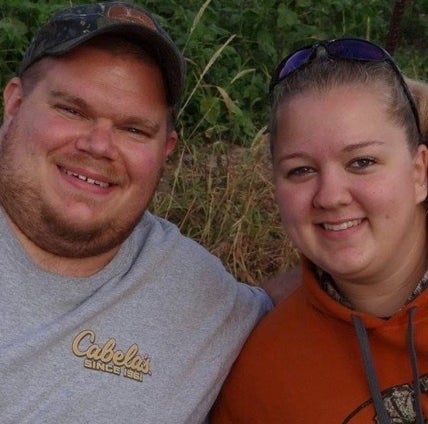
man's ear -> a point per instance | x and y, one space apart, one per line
171 142
12 98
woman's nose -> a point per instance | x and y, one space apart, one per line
332 191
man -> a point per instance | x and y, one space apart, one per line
107 313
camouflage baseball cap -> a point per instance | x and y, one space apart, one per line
71 27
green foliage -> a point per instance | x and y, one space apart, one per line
231 103
18 21
412 53
232 47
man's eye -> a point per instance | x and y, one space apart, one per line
68 110
135 131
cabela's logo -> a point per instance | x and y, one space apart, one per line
108 359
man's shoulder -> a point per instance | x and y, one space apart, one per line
198 273
164 239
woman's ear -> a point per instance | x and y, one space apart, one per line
421 173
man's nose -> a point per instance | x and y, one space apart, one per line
98 141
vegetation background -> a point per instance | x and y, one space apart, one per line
217 186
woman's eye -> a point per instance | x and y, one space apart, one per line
362 163
300 171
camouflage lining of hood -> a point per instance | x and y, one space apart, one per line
329 286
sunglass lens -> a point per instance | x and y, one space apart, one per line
294 61
355 49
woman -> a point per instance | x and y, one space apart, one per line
350 345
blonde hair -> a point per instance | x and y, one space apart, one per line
323 74
419 90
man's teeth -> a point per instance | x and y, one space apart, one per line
342 226
87 179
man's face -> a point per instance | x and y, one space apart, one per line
82 153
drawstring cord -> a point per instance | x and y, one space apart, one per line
382 415
414 363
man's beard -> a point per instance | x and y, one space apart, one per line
21 198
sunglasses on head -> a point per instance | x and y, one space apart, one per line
343 48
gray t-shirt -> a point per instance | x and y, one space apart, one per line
149 339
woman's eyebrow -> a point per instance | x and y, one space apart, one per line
356 146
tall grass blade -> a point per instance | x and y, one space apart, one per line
213 59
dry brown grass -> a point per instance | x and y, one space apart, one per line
222 196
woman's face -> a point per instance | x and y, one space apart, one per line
349 189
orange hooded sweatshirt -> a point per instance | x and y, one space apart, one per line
313 360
